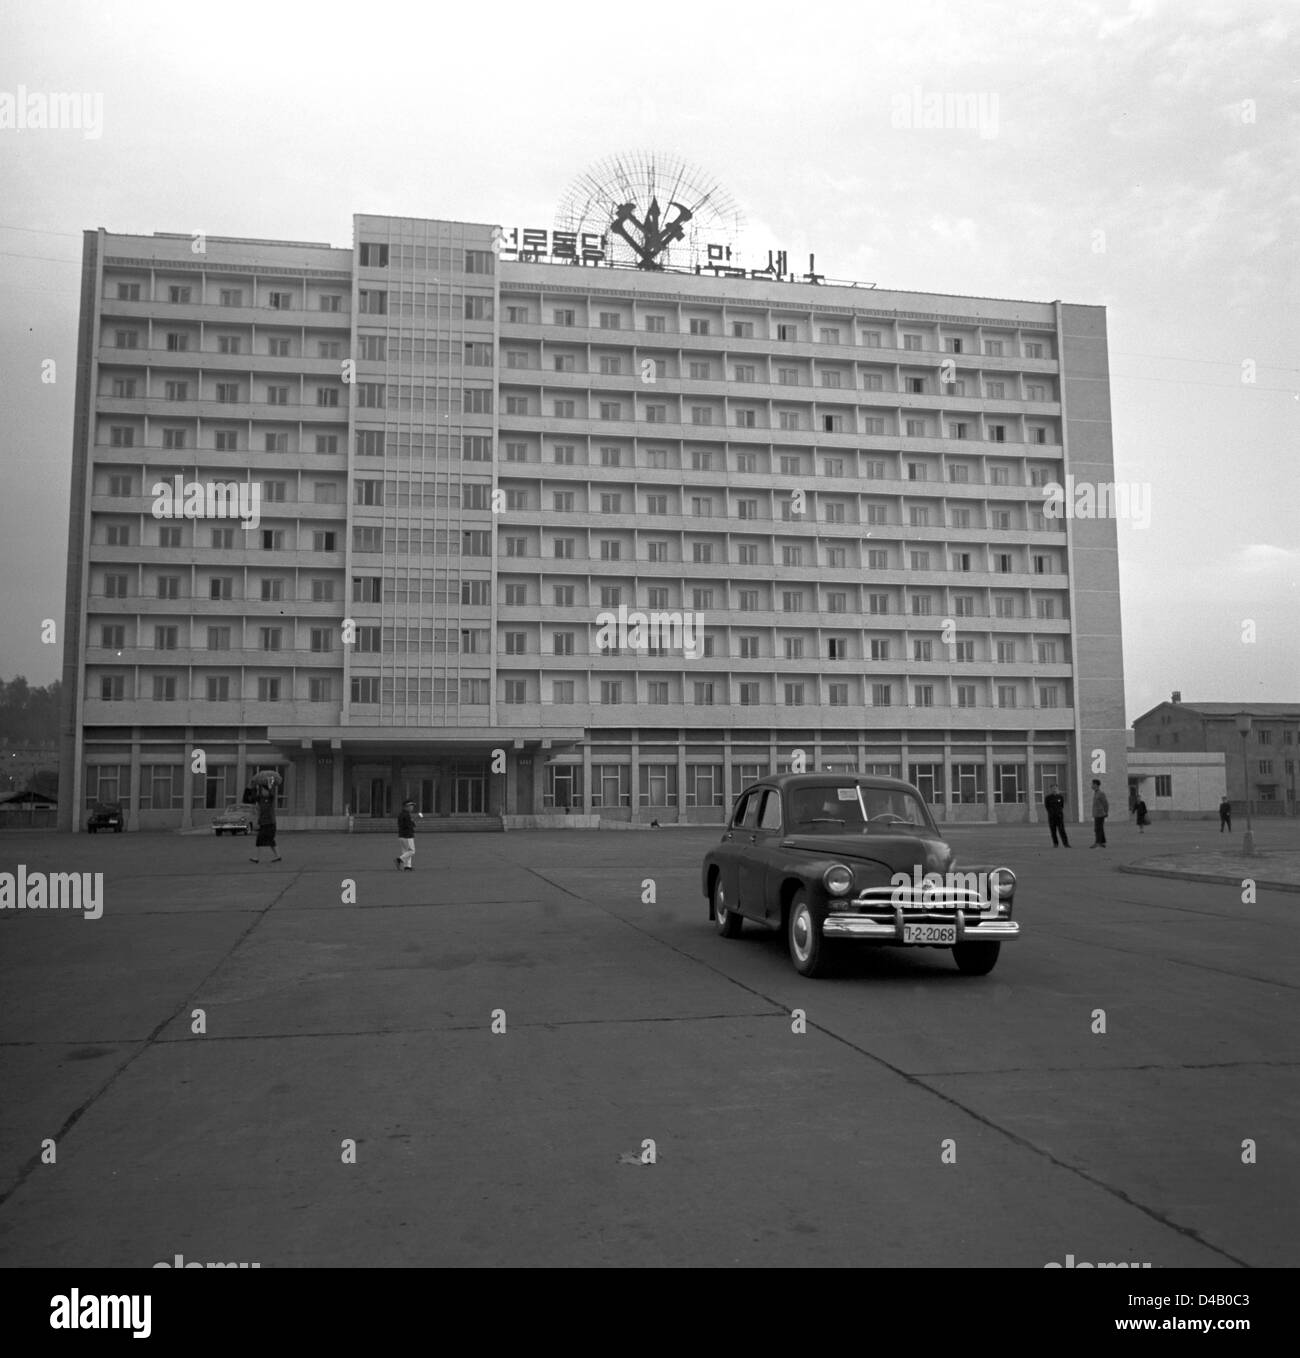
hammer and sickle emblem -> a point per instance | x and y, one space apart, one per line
655 238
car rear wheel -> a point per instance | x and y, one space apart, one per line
809 951
976 959
727 921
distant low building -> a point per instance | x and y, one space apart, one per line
1270 753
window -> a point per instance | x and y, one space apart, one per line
657 324
177 343
373 256
915 428
611 365
176 391
173 438
787 333
699 325
330 301
995 391
1006 695
1164 785
794 695
277 348
563 316
610 320
701 415
964 652
180 295
371 302
882 695
952 346
912 342
1049 695
128 292
923 695
371 395
1033 350
611 410
1009 785
993 348
965 695
279 301
745 419
829 334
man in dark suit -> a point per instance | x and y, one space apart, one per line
1055 805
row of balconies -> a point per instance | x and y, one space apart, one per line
114 361
388 661
301 319
750 349
540 717
747 393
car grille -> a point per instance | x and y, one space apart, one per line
883 904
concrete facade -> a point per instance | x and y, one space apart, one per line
832 496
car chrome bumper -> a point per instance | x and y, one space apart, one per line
855 926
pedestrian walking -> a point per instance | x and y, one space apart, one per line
406 837
1225 814
1141 810
1055 806
1100 810
265 787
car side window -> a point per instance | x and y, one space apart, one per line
753 802
770 819
742 810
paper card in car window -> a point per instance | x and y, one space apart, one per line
847 794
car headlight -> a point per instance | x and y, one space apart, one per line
838 880
1002 883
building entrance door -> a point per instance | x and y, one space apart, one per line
471 797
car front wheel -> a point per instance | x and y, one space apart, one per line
976 959
809 951
726 920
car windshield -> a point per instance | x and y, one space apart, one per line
834 808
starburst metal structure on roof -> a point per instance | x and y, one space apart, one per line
655 210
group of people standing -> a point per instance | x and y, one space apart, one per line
1054 804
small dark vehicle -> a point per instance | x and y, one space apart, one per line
105 816
828 857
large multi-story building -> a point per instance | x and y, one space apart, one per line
470 475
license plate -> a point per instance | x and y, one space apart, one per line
930 933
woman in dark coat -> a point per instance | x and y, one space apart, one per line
266 792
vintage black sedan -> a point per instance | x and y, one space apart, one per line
828 857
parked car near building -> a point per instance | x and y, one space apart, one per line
828 857
234 820
105 816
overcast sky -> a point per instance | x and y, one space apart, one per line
1141 156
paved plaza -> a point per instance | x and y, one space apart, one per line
650 1100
